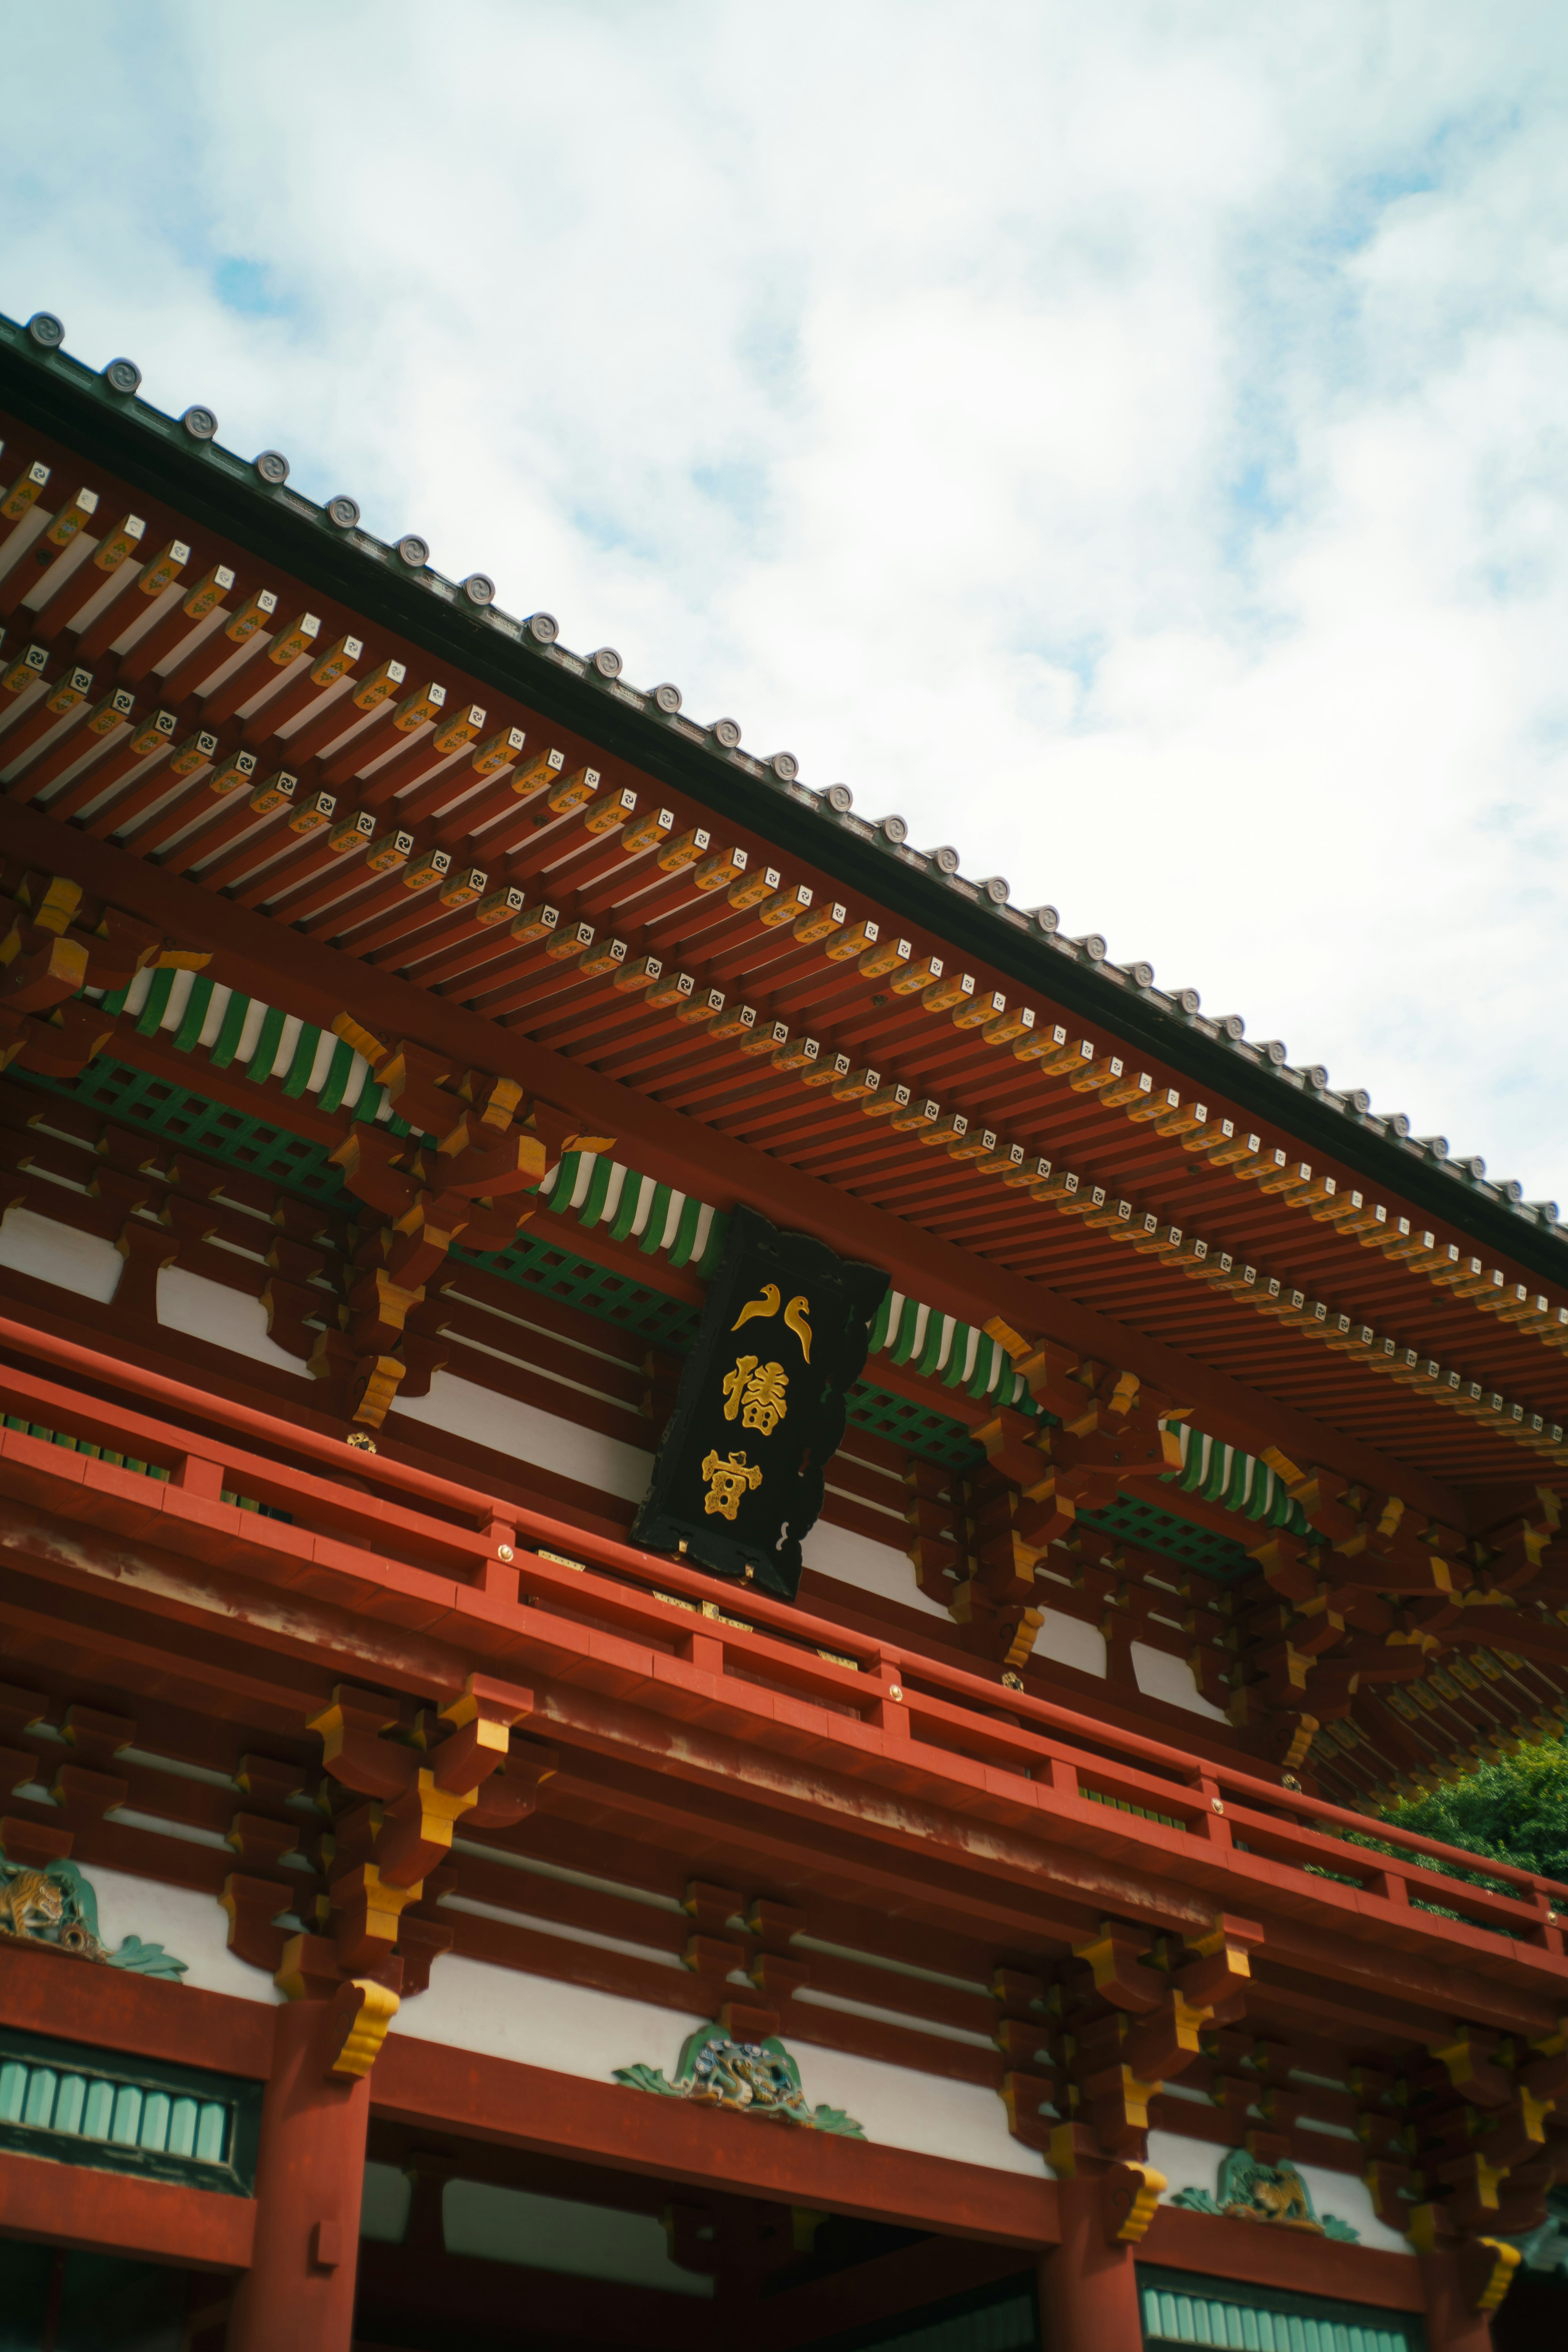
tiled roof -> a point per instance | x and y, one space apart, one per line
183 459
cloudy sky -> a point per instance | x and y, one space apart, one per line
1130 441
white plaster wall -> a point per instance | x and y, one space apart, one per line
210 1310
559 2233
58 1254
1160 1675
527 1434
574 2030
1070 1642
870 1567
1194 2163
570 2029
188 1924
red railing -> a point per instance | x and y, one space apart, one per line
394 1541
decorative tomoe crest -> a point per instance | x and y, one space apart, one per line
55 1905
1250 2190
751 2078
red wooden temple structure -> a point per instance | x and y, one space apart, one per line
431 1916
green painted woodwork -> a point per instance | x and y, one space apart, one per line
298 1076
1185 2307
157 1106
540 1259
1132 1520
258 1069
336 1080
225 1045
1122 1805
188 1034
74 2104
151 1013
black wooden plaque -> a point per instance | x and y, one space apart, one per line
737 1482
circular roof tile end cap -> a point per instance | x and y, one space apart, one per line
542 627
1276 1052
1232 1025
48 331
200 424
273 468
413 550
606 661
1397 1121
1046 920
893 829
726 732
667 699
785 766
344 511
996 887
1141 975
1093 946
1438 1145
946 859
1545 1210
1474 1168
123 376
1511 1190
1189 1000
1315 1076
480 589
839 799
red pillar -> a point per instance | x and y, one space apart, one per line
1453 2325
1088 2290
299 2292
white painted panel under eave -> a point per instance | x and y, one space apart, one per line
225 1318
188 1924
1159 1674
576 2029
61 1255
524 1434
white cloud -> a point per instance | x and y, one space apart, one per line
1132 443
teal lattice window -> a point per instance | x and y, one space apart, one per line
79 2106
1184 2307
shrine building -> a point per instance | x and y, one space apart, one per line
713 1555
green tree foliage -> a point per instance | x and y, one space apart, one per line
1514 1810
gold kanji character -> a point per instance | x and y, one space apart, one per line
756 1392
727 1481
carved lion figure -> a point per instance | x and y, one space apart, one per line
30 1902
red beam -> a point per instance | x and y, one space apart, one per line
423 2083
44 1990
114 2213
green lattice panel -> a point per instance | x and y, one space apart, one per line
913 1426
158 1107
1134 1521
543 1262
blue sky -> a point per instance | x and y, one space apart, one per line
1133 444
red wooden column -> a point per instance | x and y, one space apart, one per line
1453 2323
1089 2289
298 2292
